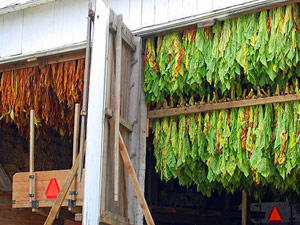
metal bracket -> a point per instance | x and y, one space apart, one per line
71 203
73 193
13 201
31 195
35 204
83 113
31 176
91 14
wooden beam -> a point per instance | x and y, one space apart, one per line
117 105
135 182
32 194
60 198
123 122
43 203
72 196
153 114
74 55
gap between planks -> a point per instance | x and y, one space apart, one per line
159 113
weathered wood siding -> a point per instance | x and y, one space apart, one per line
121 206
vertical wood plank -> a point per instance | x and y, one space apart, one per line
57 22
133 118
121 7
95 121
148 13
161 11
175 9
107 129
38 28
142 146
47 28
31 143
189 7
204 6
12 33
104 165
135 14
110 205
74 21
117 102
75 147
31 160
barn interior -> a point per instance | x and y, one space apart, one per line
43 88
173 204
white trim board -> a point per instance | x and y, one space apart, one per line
48 52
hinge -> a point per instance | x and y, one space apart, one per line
13 202
73 192
71 203
31 195
35 204
92 14
31 176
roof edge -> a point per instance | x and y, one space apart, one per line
13 8
220 14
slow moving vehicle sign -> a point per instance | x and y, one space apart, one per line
275 216
53 189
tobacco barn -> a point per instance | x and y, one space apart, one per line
149 112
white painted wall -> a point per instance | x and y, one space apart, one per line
63 22
43 27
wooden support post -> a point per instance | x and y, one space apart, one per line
135 182
72 195
62 195
95 120
31 161
117 102
244 208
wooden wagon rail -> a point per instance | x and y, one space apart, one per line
198 108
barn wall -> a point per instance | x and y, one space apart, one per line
63 22
43 27
143 13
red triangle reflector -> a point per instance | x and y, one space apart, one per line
53 189
275 215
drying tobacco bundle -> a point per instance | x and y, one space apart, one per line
244 148
259 49
252 56
51 91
